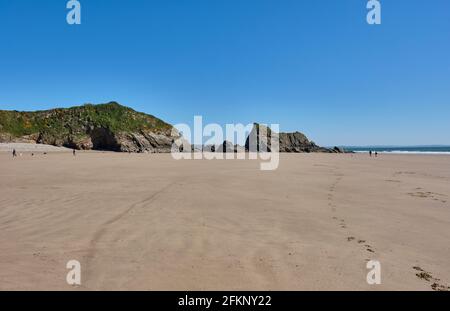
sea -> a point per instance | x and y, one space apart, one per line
401 149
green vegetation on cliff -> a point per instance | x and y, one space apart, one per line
78 121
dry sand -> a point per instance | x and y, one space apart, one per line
149 222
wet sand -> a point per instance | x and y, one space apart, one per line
148 222
31 148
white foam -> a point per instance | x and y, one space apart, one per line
407 152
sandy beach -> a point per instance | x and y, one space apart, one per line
148 222
31 148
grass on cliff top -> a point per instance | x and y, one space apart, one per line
78 120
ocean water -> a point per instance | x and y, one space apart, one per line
402 149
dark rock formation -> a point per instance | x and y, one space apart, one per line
113 127
260 138
298 142
226 147
209 148
339 150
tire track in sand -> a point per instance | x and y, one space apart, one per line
92 248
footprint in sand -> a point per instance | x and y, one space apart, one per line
370 250
421 194
342 223
393 180
428 277
368 247
404 173
428 194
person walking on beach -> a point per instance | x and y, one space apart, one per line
14 153
376 154
74 152
370 152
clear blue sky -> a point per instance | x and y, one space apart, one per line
309 65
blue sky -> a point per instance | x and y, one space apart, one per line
309 65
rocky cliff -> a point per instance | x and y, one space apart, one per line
114 127
108 126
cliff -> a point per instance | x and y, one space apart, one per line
110 126
114 127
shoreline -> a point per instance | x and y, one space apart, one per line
30 148
405 152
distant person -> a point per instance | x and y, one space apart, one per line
14 153
376 154
370 152
74 152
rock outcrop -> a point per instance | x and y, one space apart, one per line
226 147
260 139
113 127
110 127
